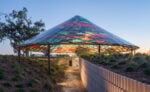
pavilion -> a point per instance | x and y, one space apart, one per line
72 33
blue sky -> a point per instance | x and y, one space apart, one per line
129 19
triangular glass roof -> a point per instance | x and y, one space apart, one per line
77 30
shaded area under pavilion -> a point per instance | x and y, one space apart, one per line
71 34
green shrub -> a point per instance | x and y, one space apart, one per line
48 85
20 90
122 62
1 90
139 58
19 85
4 59
129 69
1 75
116 66
6 84
15 78
34 90
20 76
29 84
147 71
144 65
133 64
29 62
36 81
106 62
113 60
16 71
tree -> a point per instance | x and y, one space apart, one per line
2 26
18 27
2 33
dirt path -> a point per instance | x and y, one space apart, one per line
72 82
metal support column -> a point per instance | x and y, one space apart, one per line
99 51
48 50
132 52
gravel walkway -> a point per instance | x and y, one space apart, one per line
72 82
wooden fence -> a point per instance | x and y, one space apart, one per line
98 79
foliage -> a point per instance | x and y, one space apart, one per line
1 90
129 69
123 62
34 90
2 32
7 84
109 51
29 84
18 27
20 90
15 78
81 51
147 71
116 66
19 85
1 74
48 85
20 79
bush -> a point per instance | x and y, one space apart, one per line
36 81
116 66
15 78
29 84
16 71
19 86
139 58
20 90
48 85
122 62
113 60
1 74
147 71
144 65
34 90
6 84
1 90
129 69
106 62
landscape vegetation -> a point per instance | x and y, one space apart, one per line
134 66
29 75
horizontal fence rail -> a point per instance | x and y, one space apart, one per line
98 79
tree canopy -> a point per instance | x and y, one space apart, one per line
18 27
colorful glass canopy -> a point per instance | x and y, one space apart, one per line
76 31
72 48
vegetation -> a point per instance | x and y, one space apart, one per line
1 90
28 76
136 66
18 27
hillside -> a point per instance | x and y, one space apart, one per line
30 75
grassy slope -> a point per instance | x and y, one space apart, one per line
28 76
